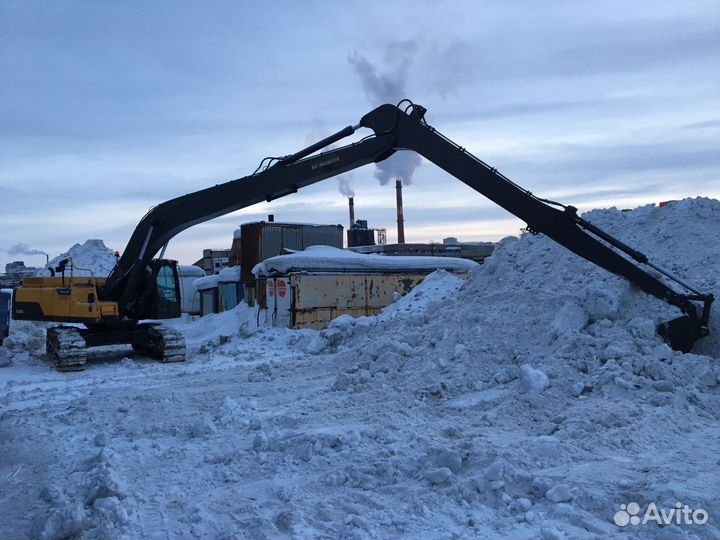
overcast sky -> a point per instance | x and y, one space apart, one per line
108 108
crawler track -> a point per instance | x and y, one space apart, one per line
66 348
166 344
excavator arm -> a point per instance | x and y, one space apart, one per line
396 129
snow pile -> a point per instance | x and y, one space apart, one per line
24 345
678 237
93 507
433 290
93 255
206 333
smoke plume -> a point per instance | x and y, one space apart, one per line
344 185
389 87
24 249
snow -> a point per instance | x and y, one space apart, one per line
530 401
91 256
327 258
190 271
207 282
230 274
226 275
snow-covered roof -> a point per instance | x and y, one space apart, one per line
189 270
207 282
330 259
231 273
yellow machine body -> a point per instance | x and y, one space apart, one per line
60 299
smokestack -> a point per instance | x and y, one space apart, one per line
351 204
400 221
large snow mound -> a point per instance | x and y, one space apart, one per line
91 256
679 237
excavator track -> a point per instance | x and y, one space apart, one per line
66 348
167 344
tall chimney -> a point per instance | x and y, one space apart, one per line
400 221
351 203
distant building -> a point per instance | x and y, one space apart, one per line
17 269
213 260
360 235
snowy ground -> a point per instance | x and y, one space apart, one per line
531 401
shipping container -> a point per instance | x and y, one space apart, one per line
308 289
305 300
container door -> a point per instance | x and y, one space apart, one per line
279 301
271 300
207 301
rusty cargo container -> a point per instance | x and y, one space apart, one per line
262 240
310 300
308 289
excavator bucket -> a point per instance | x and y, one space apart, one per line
682 333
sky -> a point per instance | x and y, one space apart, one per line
110 108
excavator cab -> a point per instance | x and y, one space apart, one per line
160 297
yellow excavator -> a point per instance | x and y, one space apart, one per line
110 310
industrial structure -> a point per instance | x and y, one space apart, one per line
400 212
359 234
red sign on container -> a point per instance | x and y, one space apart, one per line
282 288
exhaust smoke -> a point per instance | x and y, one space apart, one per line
389 87
25 249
